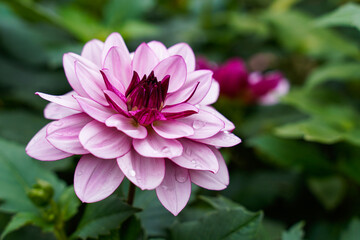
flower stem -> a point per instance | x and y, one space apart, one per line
131 194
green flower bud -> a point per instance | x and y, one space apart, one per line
41 193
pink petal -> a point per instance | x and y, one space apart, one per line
179 110
212 95
204 123
144 172
144 61
104 142
66 100
96 179
127 125
196 156
158 147
39 148
204 77
174 192
69 60
175 67
55 111
94 109
114 40
159 49
186 52
118 63
209 180
64 133
92 82
92 51
117 103
172 129
229 126
221 139
194 90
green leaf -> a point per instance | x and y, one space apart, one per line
117 12
102 217
294 233
18 173
330 191
291 153
311 130
346 15
224 224
154 218
25 218
339 71
132 229
296 32
11 125
68 203
353 231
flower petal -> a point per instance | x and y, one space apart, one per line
209 180
114 40
55 111
172 129
158 147
174 191
212 95
69 60
204 123
92 82
94 109
66 100
116 102
144 172
96 179
194 90
64 133
104 142
159 49
127 125
196 156
179 110
92 51
221 139
39 148
175 67
229 126
118 64
186 52
144 61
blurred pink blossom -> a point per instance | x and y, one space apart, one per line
255 87
144 115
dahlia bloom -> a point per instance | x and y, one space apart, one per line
144 115
236 82
267 88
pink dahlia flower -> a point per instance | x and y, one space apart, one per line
267 88
144 115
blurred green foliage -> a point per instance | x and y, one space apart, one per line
299 161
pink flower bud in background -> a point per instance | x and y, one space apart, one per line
256 87
267 88
232 77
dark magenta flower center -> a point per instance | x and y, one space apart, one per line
148 93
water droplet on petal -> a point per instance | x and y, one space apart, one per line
197 124
79 173
132 173
181 176
165 188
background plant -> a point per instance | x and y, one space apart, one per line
297 172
